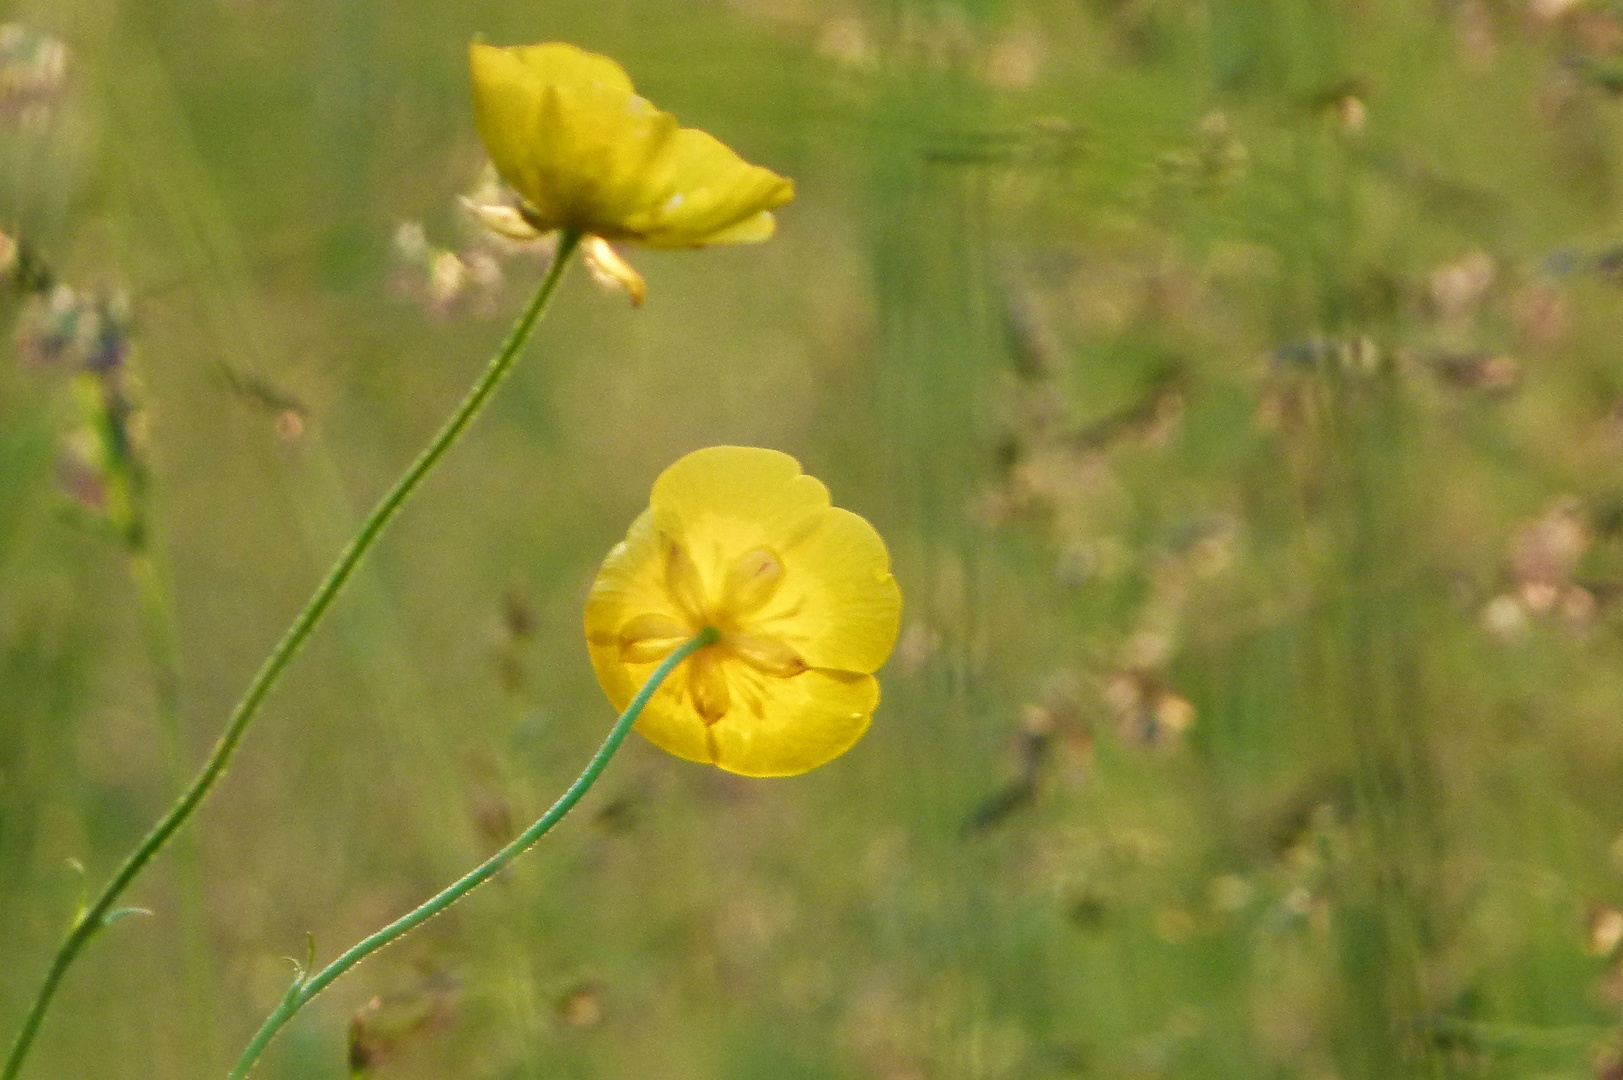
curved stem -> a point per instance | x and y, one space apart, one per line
94 916
306 987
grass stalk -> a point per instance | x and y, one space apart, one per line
94 916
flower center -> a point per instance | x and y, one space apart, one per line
743 653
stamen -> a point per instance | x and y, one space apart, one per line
752 581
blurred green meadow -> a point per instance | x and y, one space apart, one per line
1237 385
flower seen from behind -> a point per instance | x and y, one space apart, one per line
799 591
566 130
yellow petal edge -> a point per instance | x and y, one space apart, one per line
567 131
790 685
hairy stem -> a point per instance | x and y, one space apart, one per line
94 916
308 986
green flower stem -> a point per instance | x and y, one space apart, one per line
307 986
94 916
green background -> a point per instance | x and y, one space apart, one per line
1222 376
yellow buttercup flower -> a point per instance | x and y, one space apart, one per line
799 591
567 132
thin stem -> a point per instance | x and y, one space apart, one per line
93 917
306 987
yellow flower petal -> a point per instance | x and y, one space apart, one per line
630 585
697 190
840 607
765 653
773 727
567 131
752 230
738 538
556 120
570 65
751 582
724 501
506 109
